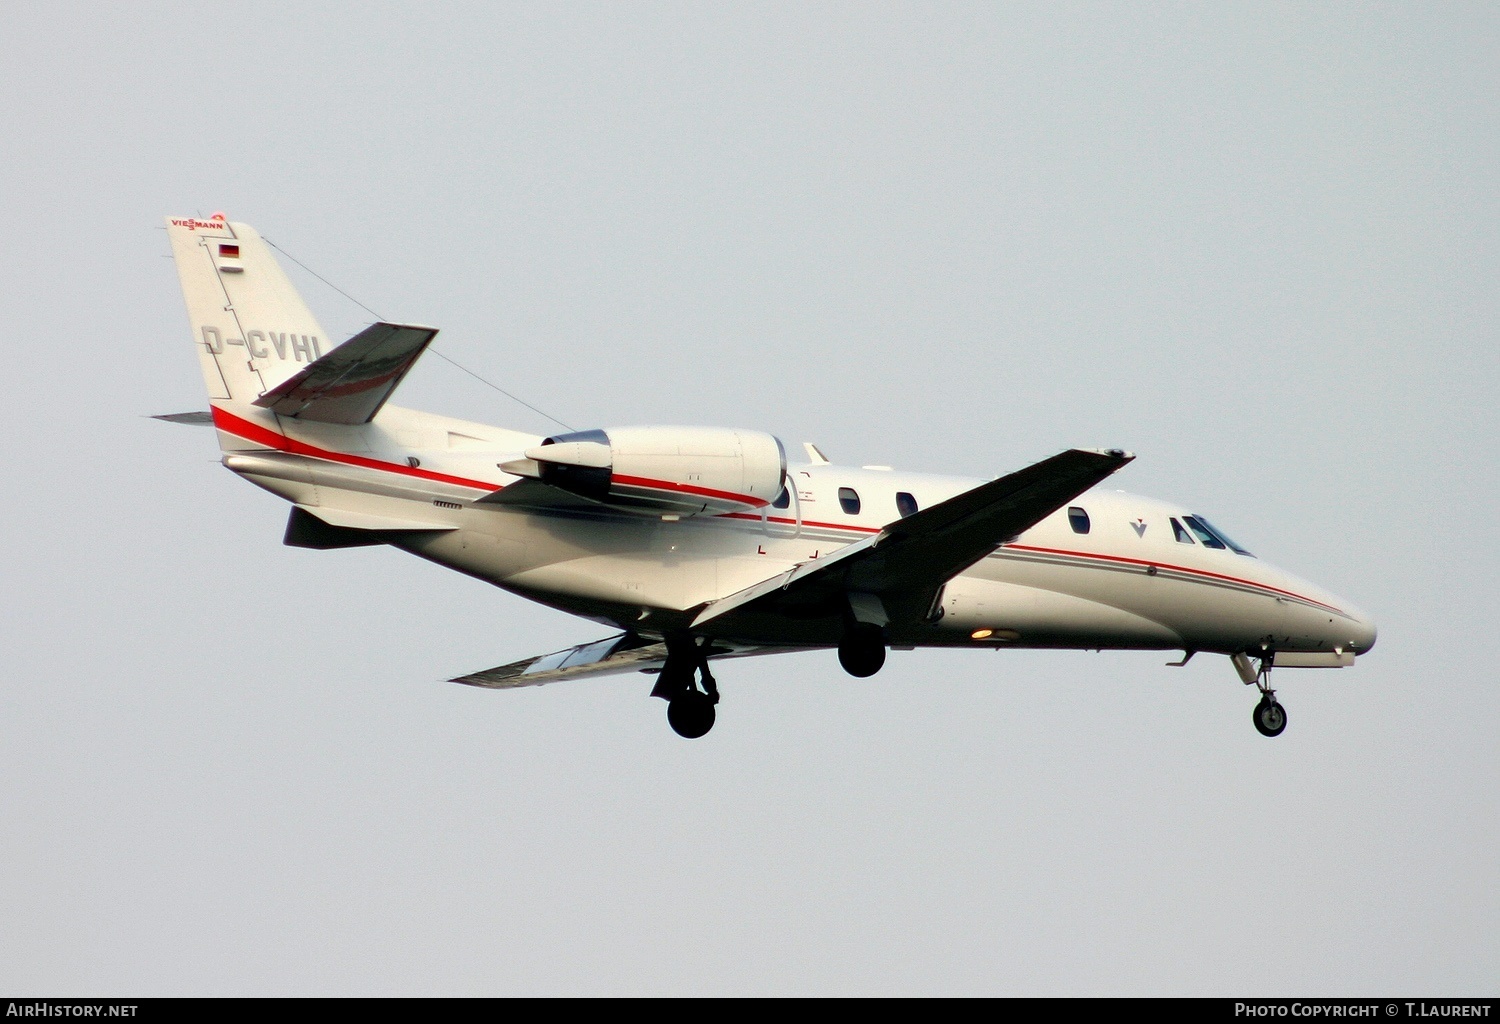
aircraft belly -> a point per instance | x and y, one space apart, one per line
645 583
487 556
612 570
1026 616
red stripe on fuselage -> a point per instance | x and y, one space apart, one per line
232 424
667 485
1221 577
806 522
1174 568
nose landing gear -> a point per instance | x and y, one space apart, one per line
1269 715
690 711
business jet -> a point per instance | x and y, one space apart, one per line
698 545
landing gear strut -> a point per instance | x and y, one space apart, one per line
690 711
1269 716
862 649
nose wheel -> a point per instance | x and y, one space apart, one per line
1269 715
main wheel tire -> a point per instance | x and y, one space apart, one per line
1270 717
691 714
862 651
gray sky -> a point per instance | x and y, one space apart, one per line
1255 244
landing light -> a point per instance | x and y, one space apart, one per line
995 634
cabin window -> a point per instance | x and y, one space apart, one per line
1218 534
905 504
1078 519
783 499
1204 533
1183 537
849 500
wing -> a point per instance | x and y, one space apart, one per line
908 562
615 654
326 528
624 653
526 493
351 383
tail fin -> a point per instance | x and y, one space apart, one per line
252 329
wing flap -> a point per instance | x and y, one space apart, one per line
625 652
351 383
621 653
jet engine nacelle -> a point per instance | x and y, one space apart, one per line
682 471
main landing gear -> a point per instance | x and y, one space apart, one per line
690 710
1269 715
862 649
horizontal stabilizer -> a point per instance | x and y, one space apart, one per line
351 383
191 419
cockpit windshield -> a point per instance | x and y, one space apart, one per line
1212 536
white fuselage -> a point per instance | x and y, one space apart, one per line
1128 582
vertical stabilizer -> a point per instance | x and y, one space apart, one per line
252 329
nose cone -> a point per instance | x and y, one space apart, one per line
1354 630
1338 623
1361 632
